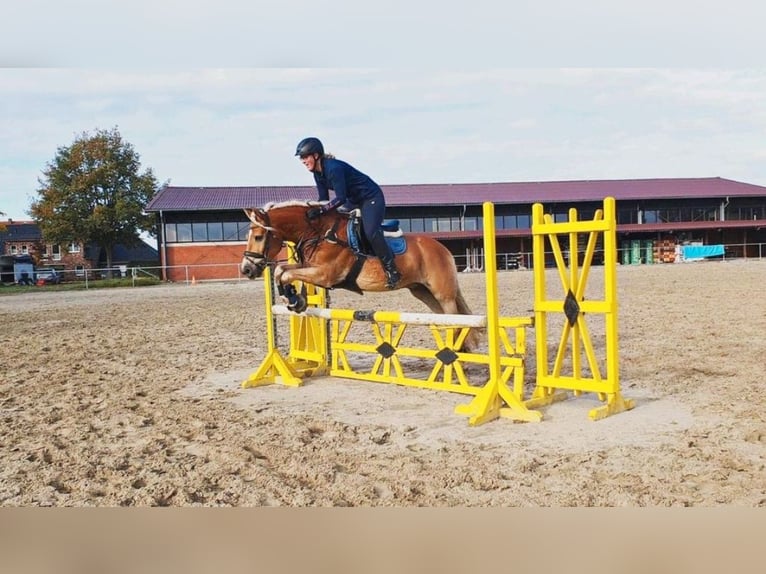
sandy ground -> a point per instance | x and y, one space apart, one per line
131 397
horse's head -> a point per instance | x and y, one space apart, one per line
275 224
263 244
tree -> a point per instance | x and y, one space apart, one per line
92 192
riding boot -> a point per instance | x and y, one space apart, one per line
392 273
383 251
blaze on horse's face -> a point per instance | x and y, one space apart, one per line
262 245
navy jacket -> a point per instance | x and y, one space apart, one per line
350 185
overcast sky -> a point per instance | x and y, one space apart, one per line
479 97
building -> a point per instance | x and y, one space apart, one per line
204 229
24 238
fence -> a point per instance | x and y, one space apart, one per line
523 260
230 271
180 274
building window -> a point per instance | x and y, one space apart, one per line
25 249
755 212
670 215
170 233
230 230
698 214
73 247
627 216
56 251
509 222
199 232
14 250
183 232
215 231
443 224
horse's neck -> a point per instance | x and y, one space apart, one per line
295 227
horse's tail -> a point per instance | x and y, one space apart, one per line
474 337
462 305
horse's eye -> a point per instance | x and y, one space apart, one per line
257 237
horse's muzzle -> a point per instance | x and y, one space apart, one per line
252 267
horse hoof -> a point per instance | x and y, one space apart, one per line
296 303
300 304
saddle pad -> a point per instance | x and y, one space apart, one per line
398 245
397 242
390 225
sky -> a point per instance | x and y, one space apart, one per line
219 94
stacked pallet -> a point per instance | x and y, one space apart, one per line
665 250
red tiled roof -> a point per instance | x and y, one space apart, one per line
229 198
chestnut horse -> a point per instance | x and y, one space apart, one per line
324 258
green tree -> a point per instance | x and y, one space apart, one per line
92 192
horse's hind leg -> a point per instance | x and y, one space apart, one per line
440 300
474 337
422 293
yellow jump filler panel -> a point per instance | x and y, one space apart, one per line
567 371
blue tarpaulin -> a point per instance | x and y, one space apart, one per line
700 251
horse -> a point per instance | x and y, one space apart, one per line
326 259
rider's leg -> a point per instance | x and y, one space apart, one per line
383 251
372 216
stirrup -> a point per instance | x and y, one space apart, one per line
392 278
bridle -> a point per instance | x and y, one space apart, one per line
260 260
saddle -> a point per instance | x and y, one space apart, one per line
358 242
359 245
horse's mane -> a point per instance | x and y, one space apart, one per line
291 203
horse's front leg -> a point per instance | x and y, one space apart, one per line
279 271
320 276
285 289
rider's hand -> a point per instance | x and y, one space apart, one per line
313 213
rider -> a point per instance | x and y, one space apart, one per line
353 189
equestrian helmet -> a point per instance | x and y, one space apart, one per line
309 146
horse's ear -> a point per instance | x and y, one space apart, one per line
250 214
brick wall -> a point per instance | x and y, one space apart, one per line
203 261
68 261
